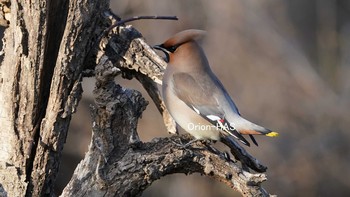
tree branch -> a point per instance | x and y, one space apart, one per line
118 164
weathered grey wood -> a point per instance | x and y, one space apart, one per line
118 164
44 49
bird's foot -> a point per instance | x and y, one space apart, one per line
182 145
203 141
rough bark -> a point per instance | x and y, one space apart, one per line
43 54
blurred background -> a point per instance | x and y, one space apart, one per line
286 63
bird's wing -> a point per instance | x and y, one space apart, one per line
199 97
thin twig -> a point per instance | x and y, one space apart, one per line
145 17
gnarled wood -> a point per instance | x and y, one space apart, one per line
118 164
44 49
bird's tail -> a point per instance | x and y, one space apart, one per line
246 127
258 131
272 134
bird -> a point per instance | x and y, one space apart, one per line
195 97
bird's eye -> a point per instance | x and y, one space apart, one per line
172 49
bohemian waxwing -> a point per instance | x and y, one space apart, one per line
195 97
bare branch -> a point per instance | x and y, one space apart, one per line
114 162
122 22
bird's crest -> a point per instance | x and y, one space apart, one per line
183 37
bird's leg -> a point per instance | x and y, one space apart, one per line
204 141
176 143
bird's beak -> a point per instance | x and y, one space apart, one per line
160 47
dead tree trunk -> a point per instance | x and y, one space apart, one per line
43 59
49 46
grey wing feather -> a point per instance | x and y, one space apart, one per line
196 95
199 97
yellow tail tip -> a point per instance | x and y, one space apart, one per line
272 134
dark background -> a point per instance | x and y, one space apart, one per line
287 66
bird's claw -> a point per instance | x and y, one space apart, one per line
182 145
